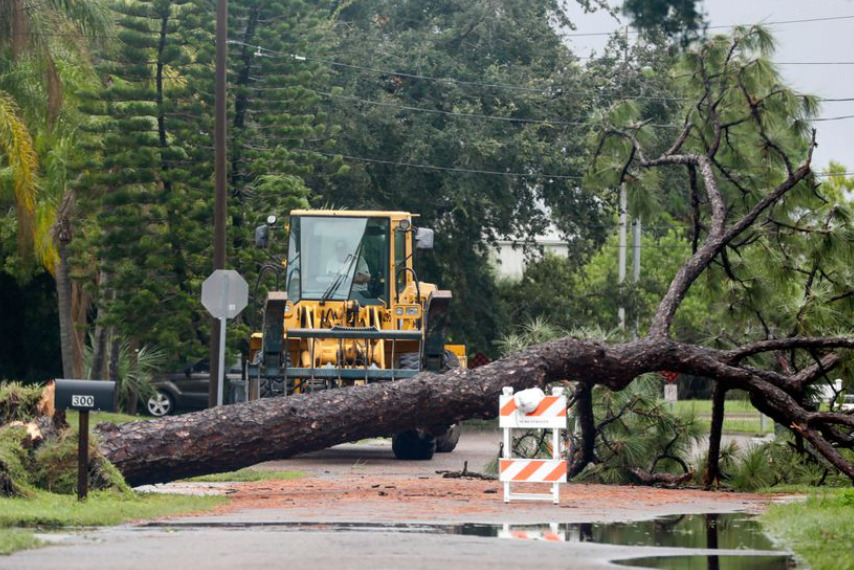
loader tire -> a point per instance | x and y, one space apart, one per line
410 361
272 387
316 385
450 361
412 445
447 442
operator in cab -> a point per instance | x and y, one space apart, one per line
339 264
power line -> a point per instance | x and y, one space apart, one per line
719 27
441 168
840 118
460 114
814 62
486 172
455 81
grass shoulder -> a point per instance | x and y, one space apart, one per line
103 508
248 475
72 417
820 529
12 540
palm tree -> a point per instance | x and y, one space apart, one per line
42 47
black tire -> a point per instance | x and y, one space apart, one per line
315 385
447 442
450 361
160 404
273 387
410 361
412 445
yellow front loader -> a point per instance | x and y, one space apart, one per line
354 312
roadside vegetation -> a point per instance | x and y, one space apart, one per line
12 540
38 476
249 475
820 529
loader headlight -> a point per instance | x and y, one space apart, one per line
408 311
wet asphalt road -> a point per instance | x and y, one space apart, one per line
261 538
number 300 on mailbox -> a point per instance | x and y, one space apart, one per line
85 395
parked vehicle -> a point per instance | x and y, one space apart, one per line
187 389
847 403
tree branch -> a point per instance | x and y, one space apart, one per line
736 355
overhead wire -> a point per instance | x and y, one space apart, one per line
719 27
453 81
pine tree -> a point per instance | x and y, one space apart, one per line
150 179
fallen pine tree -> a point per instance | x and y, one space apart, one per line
746 191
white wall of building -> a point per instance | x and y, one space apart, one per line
509 255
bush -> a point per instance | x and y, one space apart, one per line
18 402
55 467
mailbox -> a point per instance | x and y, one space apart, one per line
88 395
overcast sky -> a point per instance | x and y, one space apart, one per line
805 42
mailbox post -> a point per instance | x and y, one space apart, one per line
84 396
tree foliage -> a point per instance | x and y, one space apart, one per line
462 115
671 17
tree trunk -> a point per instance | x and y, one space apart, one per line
113 369
587 423
133 387
66 322
99 338
713 470
231 437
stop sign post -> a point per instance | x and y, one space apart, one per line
224 295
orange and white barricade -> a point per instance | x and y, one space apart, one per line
550 534
550 413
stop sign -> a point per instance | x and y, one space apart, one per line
225 293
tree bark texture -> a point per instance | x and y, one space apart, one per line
227 438
587 424
63 295
713 469
231 437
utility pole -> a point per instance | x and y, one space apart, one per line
636 260
621 271
219 180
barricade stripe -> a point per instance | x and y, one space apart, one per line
558 474
509 407
551 536
550 407
557 409
527 471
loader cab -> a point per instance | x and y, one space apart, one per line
344 257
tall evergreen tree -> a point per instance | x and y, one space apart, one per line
153 169
151 177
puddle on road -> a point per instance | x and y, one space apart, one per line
702 562
710 531
714 531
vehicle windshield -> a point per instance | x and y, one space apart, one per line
334 258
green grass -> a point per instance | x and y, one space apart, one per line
704 407
13 539
820 530
249 474
97 417
751 425
48 510
740 426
